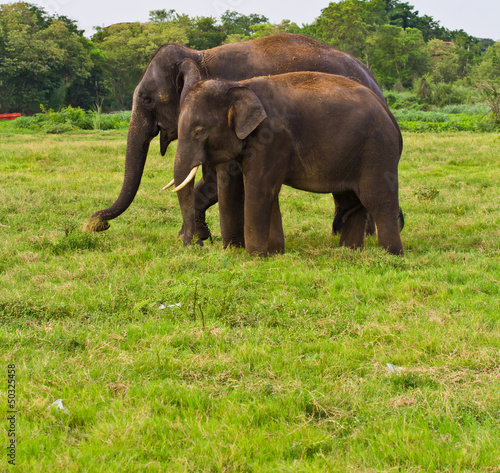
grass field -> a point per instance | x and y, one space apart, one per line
321 359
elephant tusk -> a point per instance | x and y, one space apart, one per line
187 180
170 184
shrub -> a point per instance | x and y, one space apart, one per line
419 121
70 119
400 100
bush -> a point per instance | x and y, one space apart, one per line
429 92
400 100
115 121
447 94
419 121
71 119
468 109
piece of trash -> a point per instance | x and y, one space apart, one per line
171 306
393 368
58 405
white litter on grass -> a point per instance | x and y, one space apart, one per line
58 405
171 306
393 368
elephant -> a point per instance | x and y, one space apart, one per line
157 97
313 131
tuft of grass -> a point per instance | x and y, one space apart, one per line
96 225
202 359
427 193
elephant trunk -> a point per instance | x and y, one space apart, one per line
139 136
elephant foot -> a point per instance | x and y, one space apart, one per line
202 231
233 243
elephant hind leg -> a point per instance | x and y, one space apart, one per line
341 215
370 226
388 236
352 234
350 221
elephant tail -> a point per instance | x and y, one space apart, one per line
401 219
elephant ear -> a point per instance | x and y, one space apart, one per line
246 113
188 75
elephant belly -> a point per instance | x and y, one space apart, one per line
321 185
309 173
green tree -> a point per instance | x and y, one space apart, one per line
161 16
396 54
403 14
446 60
348 23
40 58
236 38
128 48
234 23
90 91
268 29
486 77
205 33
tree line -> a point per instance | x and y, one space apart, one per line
46 60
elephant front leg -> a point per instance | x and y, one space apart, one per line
186 203
276 235
259 206
264 173
205 196
231 204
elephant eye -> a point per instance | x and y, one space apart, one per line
199 132
146 100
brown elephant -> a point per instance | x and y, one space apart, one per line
317 132
156 101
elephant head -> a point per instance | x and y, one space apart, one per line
155 110
215 119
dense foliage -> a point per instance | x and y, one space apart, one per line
45 59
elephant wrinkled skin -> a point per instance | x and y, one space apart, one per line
157 99
315 132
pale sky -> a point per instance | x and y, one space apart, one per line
480 18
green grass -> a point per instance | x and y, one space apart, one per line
275 364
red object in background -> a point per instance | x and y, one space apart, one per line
9 116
